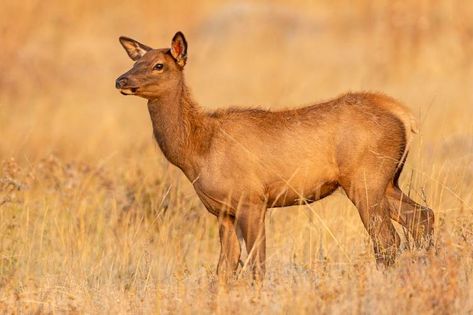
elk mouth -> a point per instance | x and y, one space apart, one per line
129 91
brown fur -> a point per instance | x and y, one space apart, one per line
243 161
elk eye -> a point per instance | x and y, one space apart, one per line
158 66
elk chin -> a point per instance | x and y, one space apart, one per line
129 91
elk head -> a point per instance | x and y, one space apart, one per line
156 71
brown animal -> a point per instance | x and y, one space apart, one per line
243 161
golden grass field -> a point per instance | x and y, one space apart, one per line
94 220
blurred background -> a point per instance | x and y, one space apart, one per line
93 219
60 59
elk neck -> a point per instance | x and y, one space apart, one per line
183 131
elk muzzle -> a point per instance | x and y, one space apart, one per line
122 84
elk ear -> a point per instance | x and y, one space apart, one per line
179 49
134 49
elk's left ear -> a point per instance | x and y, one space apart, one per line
133 48
179 49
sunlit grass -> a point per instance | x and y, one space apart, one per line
94 220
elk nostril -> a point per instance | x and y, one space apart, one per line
121 82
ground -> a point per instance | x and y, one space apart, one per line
94 220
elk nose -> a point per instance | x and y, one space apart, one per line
121 82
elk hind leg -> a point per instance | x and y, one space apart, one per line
373 209
417 219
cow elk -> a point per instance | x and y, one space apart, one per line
243 161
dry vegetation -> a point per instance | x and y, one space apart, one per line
94 220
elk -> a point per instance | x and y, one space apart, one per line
243 161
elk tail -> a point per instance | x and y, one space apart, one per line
411 128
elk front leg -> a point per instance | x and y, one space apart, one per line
229 248
251 222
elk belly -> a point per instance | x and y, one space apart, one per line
283 194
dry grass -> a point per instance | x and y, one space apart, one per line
94 220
